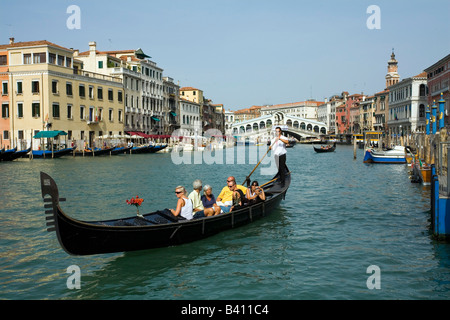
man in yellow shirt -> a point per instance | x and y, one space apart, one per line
225 198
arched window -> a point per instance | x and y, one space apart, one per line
422 90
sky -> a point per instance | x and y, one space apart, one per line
250 52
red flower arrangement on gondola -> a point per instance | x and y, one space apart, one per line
136 202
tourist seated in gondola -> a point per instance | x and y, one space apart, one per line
225 198
255 193
238 198
209 202
198 210
184 204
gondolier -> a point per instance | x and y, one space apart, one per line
278 145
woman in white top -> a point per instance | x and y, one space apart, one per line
184 204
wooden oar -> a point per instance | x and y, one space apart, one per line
265 184
248 177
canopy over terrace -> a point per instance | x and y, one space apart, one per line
148 136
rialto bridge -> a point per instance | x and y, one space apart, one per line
294 126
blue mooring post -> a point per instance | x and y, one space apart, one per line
428 120
434 195
433 117
441 111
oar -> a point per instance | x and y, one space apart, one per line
248 177
265 184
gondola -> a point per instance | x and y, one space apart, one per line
158 148
47 154
120 150
141 150
153 230
327 149
5 154
11 156
94 153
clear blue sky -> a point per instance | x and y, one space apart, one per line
250 52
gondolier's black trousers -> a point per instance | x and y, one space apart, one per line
281 163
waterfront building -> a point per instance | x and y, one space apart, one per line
407 106
5 125
366 113
247 114
171 106
212 115
190 118
304 109
143 85
229 120
381 110
347 113
49 91
438 81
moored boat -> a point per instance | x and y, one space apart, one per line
152 230
11 156
47 154
395 155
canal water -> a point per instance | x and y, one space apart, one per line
340 217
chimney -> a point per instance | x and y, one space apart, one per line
92 47
11 40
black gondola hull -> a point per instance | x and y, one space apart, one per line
158 229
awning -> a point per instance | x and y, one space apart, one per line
156 119
49 134
174 114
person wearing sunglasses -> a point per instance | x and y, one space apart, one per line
184 204
225 198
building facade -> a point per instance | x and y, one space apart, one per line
5 121
190 118
50 92
438 81
407 106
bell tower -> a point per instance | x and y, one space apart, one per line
392 76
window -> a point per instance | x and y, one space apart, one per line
100 114
40 57
120 96
69 111
120 116
69 62
55 110
82 115
35 87
61 61
5 88
20 134
82 135
91 92
19 87
36 109
111 115
69 89
82 90
3 60
110 95
5 110
6 135
55 86
100 64
27 58
100 93
20 109
52 58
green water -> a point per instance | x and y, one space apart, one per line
340 216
